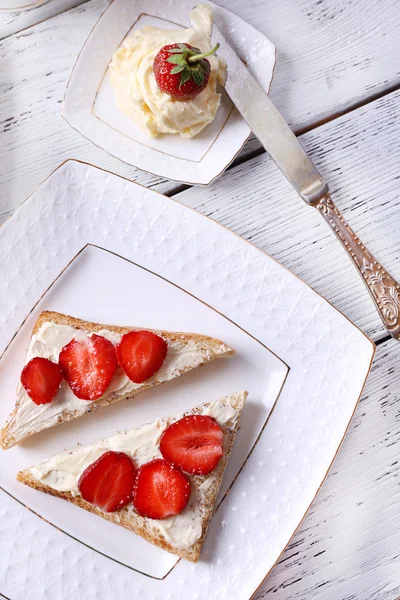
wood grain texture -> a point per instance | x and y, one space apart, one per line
34 138
16 20
331 53
348 547
326 62
359 157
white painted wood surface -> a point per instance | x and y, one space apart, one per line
359 156
332 56
12 21
348 547
35 66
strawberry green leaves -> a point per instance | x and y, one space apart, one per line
187 62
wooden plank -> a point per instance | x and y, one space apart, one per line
330 53
333 53
32 90
34 139
311 83
13 21
348 545
359 156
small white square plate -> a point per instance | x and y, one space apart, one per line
210 280
90 106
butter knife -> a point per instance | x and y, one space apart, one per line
284 148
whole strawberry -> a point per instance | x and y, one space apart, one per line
181 70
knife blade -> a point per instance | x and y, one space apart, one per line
285 149
268 125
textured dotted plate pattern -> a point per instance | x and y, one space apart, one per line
329 360
90 107
91 288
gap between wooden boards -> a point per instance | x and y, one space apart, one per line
253 148
299 132
27 17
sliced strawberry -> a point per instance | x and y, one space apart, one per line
108 482
160 490
88 365
194 444
141 354
41 379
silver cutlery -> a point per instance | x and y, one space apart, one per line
284 148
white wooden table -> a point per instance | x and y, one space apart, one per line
337 82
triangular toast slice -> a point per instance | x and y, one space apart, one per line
59 477
53 330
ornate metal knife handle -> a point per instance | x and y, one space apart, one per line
385 290
285 149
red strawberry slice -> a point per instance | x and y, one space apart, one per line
41 379
160 490
108 482
88 365
141 354
194 444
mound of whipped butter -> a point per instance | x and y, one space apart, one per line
137 92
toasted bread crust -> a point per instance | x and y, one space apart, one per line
7 439
89 326
137 524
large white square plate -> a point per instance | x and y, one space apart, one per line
210 280
90 106
91 288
